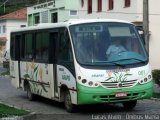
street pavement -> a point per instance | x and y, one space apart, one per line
45 109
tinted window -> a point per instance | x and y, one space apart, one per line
12 47
42 43
27 46
65 55
14 51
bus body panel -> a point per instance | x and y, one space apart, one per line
136 83
88 95
115 75
14 74
38 76
66 78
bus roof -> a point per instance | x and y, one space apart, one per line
67 23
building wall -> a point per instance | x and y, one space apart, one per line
2 34
154 22
48 9
12 25
118 12
63 7
2 23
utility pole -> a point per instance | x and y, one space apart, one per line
146 23
5 5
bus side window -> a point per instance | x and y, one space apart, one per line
12 47
15 42
65 51
65 54
27 46
42 44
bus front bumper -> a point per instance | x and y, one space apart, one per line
88 95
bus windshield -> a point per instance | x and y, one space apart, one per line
107 44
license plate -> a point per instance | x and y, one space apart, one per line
118 95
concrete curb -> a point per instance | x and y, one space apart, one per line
31 116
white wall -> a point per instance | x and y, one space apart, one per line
154 27
12 25
2 23
119 12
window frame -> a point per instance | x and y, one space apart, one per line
99 5
4 28
14 51
89 6
54 17
35 46
35 16
110 4
0 29
70 62
127 3
22 47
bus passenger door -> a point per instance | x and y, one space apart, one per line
15 60
53 74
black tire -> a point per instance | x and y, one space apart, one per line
68 103
30 95
129 105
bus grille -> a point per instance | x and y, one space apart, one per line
123 84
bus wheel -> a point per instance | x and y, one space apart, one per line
30 95
129 105
68 102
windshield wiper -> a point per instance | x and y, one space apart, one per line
112 63
141 61
115 63
109 63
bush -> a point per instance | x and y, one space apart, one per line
156 76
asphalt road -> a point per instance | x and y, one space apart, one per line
50 110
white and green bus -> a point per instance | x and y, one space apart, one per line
68 62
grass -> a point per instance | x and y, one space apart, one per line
5 73
6 111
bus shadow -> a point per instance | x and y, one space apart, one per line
85 109
45 101
102 108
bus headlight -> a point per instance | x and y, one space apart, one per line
90 83
149 76
146 79
96 84
84 81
